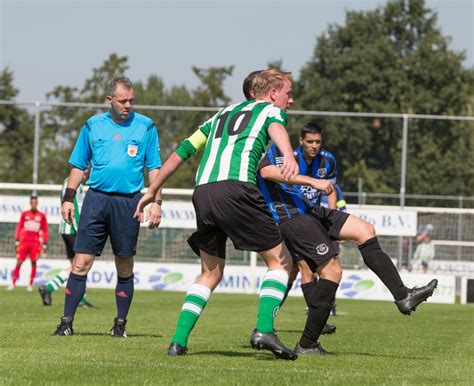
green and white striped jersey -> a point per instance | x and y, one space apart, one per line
237 136
64 227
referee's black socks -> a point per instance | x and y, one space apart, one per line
379 262
75 290
318 298
123 295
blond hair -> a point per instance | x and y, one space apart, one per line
269 79
248 82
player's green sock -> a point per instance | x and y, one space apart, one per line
194 302
272 292
83 300
57 282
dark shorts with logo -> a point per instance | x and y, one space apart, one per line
331 219
312 237
106 214
236 210
69 241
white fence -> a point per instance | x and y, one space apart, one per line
453 233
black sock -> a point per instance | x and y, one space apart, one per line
75 289
319 309
124 295
379 262
307 289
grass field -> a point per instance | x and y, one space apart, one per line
374 343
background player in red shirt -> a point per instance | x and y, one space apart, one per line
31 238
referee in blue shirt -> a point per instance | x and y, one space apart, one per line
118 144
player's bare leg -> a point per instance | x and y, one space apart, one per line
212 270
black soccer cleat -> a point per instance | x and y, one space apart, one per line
328 329
175 349
45 295
270 342
65 327
118 330
315 350
415 297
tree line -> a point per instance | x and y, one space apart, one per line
393 59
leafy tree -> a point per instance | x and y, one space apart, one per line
392 59
16 135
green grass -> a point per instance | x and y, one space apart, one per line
374 343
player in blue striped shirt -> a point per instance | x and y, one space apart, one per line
308 232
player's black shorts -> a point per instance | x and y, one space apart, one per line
236 210
108 214
331 219
312 236
69 241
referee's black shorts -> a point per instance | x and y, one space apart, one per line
236 210
106 214
312 236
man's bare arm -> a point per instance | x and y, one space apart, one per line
280 138
272 173
167 170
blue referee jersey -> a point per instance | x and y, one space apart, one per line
323 167
283 201
118 153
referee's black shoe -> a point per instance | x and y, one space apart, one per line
175 349
65 327
118 330
328 329
315 350
415 297
261 341
45 295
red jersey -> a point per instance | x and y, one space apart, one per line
32 227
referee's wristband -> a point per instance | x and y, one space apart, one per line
159 202
69 195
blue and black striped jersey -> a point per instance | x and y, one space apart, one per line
323 167
283 201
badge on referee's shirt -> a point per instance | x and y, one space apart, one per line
132 150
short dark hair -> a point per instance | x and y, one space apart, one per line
247 85
311 128
122 80
33 197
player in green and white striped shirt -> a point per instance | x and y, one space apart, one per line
228 203
68 234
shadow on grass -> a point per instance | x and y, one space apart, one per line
89 333
263 356
375 355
